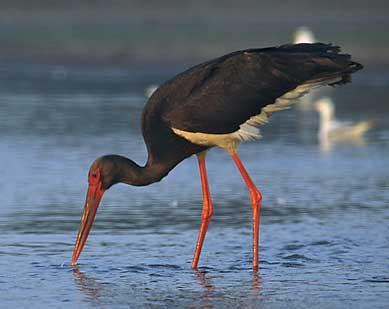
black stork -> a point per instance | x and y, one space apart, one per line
217 103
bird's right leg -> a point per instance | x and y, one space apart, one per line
256 199
207 208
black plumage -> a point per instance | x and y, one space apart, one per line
219 95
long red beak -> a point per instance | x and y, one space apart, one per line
93 198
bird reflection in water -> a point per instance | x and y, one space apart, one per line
89 286
208 288
206 284
96 292
256 285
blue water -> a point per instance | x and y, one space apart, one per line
324 237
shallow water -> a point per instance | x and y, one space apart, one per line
324 237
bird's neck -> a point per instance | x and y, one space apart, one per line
133 174
327 115
326 119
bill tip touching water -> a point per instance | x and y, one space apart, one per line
222 103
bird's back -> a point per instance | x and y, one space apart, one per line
352 131
220 95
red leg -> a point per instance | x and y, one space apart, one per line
207 209
256 198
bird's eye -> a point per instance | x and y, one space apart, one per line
94 176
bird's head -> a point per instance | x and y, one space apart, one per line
325 106
103 173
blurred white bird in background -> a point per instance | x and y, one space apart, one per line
303 35
334 131
150 90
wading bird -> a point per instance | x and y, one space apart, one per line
217 103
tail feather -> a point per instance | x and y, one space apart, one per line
363 126
346 74
327 60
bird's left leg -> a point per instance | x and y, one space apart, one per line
207 208
256 199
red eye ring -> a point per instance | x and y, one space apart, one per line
94 176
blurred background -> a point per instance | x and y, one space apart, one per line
151 33
74 77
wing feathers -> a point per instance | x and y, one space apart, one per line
243 88
247 129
